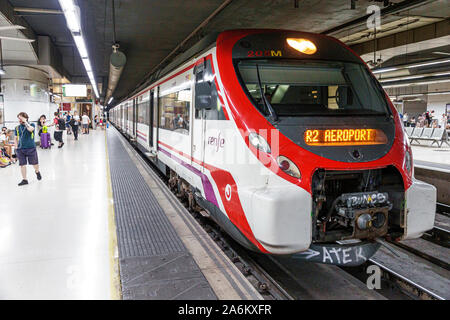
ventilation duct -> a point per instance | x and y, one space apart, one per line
116 64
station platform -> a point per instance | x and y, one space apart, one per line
54 233
432 158
102 225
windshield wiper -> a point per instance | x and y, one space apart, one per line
269 107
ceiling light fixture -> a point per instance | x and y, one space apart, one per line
384 70
72 15
87 65
409 66
416 83
79 41
399 79
417 65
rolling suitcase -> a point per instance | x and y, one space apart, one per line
45 140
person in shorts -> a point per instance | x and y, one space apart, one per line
85 121
26 147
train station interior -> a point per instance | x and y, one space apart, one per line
224 150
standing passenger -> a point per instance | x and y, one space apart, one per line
68 126
26 147
85 121
75 124
405 120
60 127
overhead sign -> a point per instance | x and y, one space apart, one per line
66 106
74 90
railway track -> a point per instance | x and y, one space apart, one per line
280 279
433 248
443 209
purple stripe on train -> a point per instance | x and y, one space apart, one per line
207 187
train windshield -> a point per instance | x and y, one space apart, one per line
311 88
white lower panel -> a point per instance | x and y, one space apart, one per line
421 209
281 218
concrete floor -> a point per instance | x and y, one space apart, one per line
54 234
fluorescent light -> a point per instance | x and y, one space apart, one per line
442 74
110 100
384 70
2 72
79 41
413 65
416 83
96 91
427 63
399 79
410 95
87 64
91 77
72 14
66 4
437 93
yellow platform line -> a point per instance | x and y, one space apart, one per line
113 259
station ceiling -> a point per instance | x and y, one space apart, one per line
149 30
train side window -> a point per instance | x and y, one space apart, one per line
174 110
142 113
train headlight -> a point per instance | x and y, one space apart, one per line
259 142
408 162
289 167
302 45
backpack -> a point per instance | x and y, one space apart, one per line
61 124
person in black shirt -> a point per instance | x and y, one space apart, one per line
60 126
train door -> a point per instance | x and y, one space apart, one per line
198 118
157 118
134 106
125 127
150 118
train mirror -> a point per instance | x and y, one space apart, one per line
203 96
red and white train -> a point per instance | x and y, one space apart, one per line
287 141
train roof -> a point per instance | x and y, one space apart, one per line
206 43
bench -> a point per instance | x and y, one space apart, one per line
435 135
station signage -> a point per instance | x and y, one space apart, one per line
344 137
74 90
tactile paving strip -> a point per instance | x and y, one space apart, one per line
154 264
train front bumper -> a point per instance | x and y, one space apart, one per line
420 209
281 218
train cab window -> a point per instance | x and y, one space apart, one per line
311 88
174 111
204 76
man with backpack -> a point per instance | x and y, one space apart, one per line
68 121
60 127
26 147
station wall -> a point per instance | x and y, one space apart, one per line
25 89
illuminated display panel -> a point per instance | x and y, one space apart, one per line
344 137
74 90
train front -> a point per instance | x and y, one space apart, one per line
335 169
